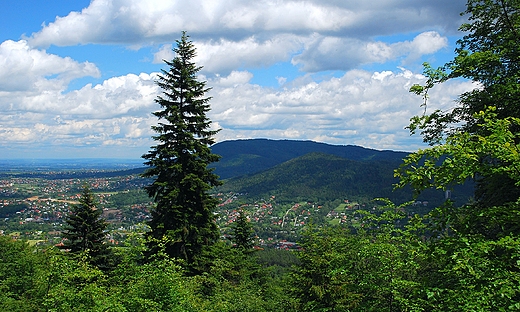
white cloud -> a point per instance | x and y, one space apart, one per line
322 35
234 39
114 97
233 80
334 53
164 53
423 44
38 132
370 109
153 21
287 16
114 113
361 107
223 56
27 69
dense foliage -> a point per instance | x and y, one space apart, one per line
454 258
374 268
479 138
474 260
47 280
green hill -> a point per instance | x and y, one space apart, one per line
241 157
319 177
306 170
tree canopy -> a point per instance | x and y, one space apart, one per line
477 138
474 250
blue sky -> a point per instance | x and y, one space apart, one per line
77 78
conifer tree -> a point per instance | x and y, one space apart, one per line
85 231
183 215
242 232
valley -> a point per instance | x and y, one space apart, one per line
318 188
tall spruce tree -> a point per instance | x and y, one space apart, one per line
84 231
183 216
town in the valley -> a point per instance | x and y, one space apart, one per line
32 207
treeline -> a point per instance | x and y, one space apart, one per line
32 279
127 198
388 263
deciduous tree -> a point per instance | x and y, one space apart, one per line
489 55
474 253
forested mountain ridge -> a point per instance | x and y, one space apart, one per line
241 157
289 169
323 177
320 176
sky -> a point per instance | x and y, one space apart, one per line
77 78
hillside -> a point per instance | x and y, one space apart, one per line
241 157
306 170
323 177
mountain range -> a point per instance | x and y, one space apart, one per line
288 169
307 170
241 157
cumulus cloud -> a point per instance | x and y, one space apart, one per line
114 113
135 21
27 69
370 109
233 38
115 96
313 53
258 33
250 52
236 78
423 44
333 53
164 53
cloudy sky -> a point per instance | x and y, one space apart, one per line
77 77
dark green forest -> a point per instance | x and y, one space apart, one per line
248 157
454 257
320 177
